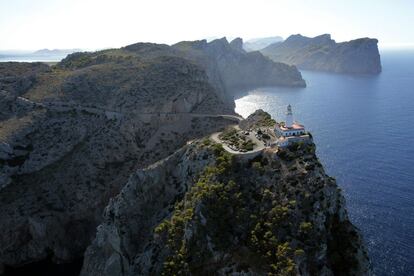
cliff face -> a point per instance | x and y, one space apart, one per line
360 56
202 211
235 68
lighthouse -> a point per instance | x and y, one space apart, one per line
289 117
290 131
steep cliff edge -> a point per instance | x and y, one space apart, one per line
204 211
360 56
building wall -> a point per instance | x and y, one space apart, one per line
293 139
292 132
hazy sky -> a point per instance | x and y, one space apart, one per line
96 24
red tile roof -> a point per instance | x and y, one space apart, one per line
295 126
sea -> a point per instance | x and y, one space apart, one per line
363 128
29 57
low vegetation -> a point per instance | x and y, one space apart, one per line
237 140
266 121
224 212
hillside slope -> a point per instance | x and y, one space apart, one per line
71 137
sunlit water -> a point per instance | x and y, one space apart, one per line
32 58
364 131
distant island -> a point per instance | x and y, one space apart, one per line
359 56
63 52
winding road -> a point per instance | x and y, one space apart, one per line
64 106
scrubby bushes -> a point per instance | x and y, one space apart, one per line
223 212
236 140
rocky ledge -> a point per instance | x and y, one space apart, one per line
204 211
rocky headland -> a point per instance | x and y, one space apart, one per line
204 211
359 56
238 69
75 138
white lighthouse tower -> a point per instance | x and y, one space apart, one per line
290 132
289 117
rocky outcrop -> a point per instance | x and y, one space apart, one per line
237 44
153 192
360 56
202 211
259 118
18 77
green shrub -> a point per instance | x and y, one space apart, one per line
305 227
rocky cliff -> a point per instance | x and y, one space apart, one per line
229 64
203 211
360 56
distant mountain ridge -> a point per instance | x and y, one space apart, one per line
56 51
237 68
256 44
359 56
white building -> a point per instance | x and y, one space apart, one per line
290 131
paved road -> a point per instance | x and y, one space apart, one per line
56 105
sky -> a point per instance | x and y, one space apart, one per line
98 24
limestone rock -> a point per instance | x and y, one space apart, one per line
360 56
228 64
288 202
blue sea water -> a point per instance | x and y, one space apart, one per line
363 127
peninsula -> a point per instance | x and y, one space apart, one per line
359 56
